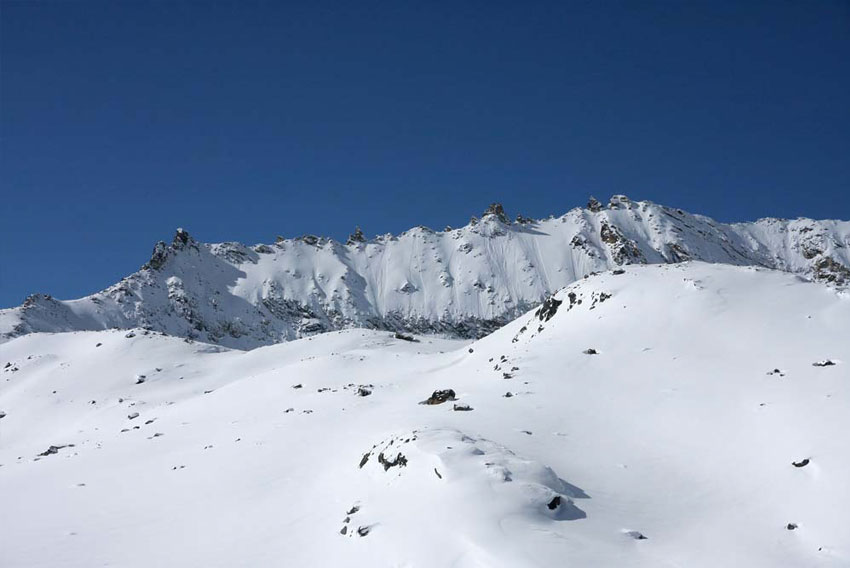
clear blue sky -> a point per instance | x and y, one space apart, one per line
121 121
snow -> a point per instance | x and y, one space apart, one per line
677 429
464 282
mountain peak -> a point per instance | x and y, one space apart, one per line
496 210
464 282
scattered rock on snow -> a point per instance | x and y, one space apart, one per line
440 396
405 337
54 450
400 460
549 308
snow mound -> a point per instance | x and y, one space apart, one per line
468 492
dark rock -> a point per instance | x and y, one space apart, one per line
499 211
440 396
594 205
609 234
343 530
791 526
826 363
298 386
158 256
132 415
554 503
356 237
637 535
462 407
54 450
801 463
400 460
405 337
363 391
619 271
590 351
181 239
363 531
363 461
548 309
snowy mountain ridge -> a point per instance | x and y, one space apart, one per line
463 282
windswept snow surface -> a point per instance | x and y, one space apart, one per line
461 283
654 419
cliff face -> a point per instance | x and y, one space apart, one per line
462 282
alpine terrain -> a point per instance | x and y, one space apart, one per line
623 386
461 283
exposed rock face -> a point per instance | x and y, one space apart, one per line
463 282
498 211
356 237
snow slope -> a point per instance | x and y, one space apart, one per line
462 282
672 445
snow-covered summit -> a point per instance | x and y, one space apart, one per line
462 282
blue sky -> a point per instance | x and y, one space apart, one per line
120 121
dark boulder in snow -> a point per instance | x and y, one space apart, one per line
405 337
801 463
54 450
400 460
549 308
440 396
